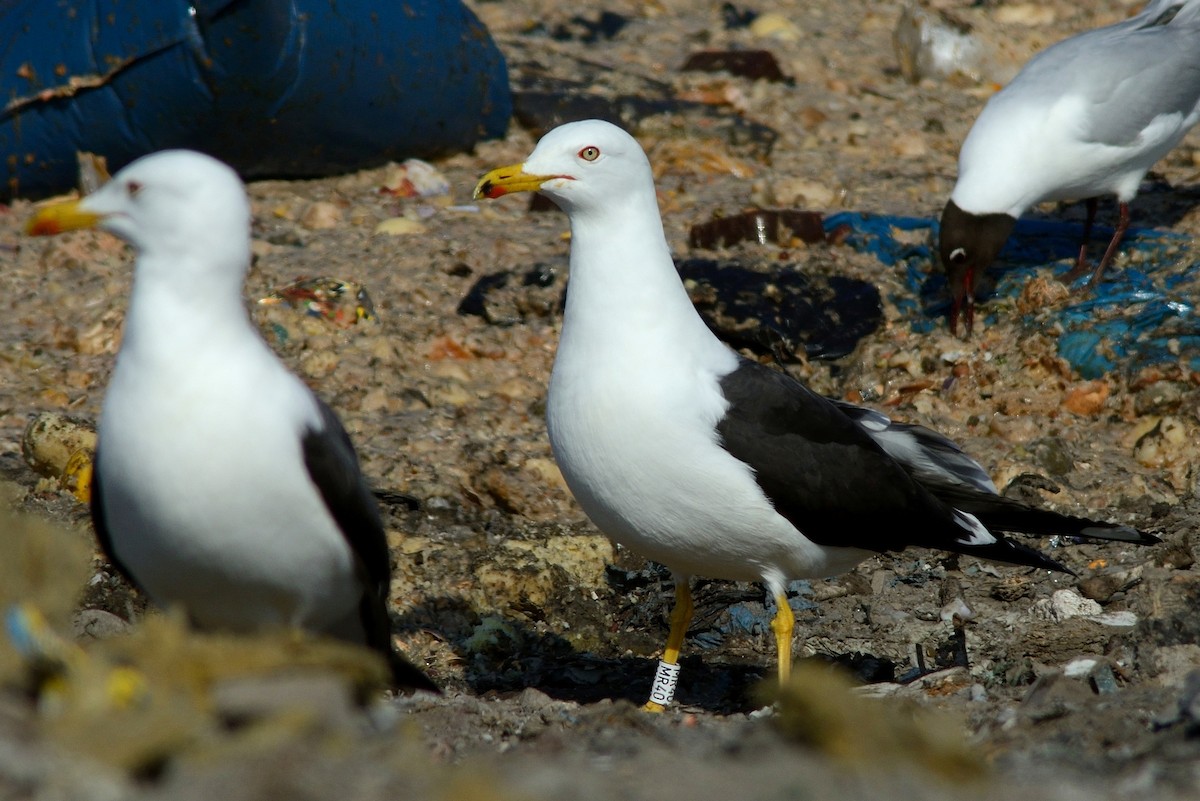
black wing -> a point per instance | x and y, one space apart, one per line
333 466
938 459
833 482
954 478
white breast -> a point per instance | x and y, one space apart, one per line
207 498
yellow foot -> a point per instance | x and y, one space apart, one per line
650 706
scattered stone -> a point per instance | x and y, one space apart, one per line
773 25
1102 586
1052 697
1064 605
1164 443
910 145
1177 556
98 624
797 190
1099 588
933 44
1011 588
1096 672
1054 455
1103 680
414 178
321 215
1029 14
1087 400
1122 620
1161 397
400 226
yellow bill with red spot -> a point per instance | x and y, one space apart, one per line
505 180
58 217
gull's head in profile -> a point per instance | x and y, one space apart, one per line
167 206
584 167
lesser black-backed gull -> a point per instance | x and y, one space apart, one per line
680 449
222 483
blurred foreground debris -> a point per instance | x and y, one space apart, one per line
61 448
819 709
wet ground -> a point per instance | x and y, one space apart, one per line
544 635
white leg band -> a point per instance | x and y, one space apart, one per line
662 692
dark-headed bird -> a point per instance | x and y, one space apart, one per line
1086 117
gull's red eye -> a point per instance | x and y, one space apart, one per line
590 153
132 188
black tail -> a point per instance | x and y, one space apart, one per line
406 676
1013 553
998 513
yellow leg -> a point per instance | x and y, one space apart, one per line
782 624
681 618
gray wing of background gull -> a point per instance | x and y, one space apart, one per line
1132 72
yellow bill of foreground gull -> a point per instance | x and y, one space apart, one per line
680 449
221 483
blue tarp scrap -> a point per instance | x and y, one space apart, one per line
754 617
284 88
1141 314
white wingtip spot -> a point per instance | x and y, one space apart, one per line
978 534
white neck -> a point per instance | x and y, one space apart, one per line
624 292
195 309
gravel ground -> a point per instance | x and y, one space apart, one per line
544 635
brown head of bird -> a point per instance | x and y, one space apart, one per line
968 244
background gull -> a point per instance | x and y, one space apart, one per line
1088 116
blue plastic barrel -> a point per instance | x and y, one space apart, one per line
283 88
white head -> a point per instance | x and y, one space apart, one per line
583 166
170 206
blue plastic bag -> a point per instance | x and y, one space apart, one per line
1139 315
287 88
